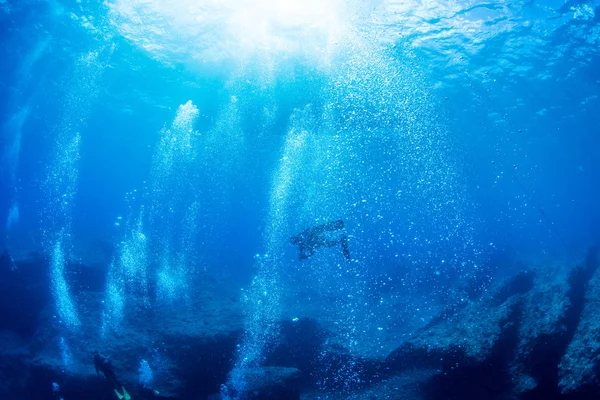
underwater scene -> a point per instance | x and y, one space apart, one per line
299 199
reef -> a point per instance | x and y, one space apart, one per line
535 335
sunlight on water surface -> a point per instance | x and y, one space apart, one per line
232 32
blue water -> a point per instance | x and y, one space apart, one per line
458 140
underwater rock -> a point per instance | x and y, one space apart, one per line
14 359
190 351
406 386
300 344
271 383
469 344
468 333
531 336
510 343
25 293
306 345
579 369
550 319
543 333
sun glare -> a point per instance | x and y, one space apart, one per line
219 30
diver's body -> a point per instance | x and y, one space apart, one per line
310 240
104 365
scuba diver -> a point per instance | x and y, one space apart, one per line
309 240
103 364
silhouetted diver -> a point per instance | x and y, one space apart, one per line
309 240
103 364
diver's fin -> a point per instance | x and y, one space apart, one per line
126 395
119 395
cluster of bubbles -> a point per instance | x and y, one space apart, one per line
146 376
13 128
60 185
174 202
65 353
60 288
64 181
262 301
114 300
13 216
150 234
371 151
133 257
374 152
174 149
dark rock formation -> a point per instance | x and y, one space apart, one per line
580 366
552 312
268 383
25 293
407 386
533 336
191 347
469 345
509 344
